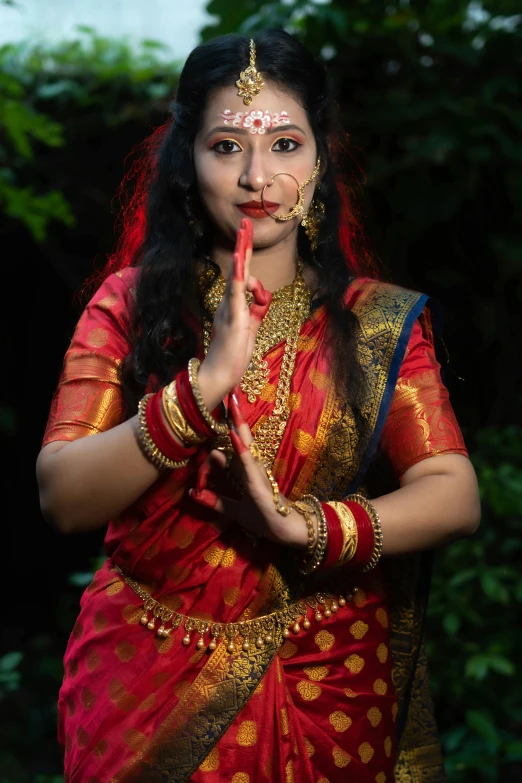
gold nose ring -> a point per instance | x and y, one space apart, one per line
298 208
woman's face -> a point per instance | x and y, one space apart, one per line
237 151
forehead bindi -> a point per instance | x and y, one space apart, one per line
271 109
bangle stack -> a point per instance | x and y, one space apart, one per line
217 427
313 506
154 439
355 534
178 422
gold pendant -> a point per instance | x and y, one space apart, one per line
254 380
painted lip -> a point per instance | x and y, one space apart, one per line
255 208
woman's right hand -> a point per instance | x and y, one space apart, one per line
235 325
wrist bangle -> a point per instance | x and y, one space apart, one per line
350 535
177 421
375 522
307 512
217 427
322 535
282 508
149 447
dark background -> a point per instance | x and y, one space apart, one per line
430 95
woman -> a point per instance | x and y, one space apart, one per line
228 490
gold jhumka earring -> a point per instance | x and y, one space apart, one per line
250 82
311 222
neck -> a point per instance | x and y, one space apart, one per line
274 266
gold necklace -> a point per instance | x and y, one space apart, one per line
291 309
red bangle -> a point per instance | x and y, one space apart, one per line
366 535
160 434
335 539
189 406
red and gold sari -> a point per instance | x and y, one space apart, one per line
347 698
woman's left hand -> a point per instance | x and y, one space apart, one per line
255 510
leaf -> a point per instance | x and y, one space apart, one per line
81 578
10 661
481 722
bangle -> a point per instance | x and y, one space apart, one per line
218 427
376 526
335 539
307 512
177 421
189 408
348 527
282 508
322 535
148 445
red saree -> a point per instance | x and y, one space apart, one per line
134 707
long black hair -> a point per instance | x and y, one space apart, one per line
175 229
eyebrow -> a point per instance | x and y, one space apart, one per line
245 132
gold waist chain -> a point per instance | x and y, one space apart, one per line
246 634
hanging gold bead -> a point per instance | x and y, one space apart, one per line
318 616
269 638
334 607
151 625
327 612
200 643
212 645
231 647
259 642
296 628
342 601
306 623
286 633
161 631
246 645
144 619
186 640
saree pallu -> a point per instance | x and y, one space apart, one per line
325 705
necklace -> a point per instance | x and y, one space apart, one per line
289 308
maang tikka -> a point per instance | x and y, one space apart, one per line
250 82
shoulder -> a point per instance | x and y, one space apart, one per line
369 290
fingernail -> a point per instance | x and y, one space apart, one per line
239 446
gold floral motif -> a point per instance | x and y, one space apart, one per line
231 595
107 301
351 694
268 393
88 698
380 687
340 721
228 558
374 715
381 615
100 749
93 659
289 772
354 663
303 441
308 691
319 379
360 598
97 337
358 629
247 733
211 763
307 343
388 746
324 640
136 740
382 652
213 555
287 650
316 673
284 720
100 622
340 757
365 752
380 778
310 750
125 651
114 588
181 536
82 737
240 777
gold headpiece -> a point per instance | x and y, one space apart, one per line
250 82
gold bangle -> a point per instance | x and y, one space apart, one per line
322 535
149 448
176 419
307 512
349 530
377 530
215 426
282 508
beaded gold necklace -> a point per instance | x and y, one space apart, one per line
289 308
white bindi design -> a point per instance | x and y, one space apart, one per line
255 121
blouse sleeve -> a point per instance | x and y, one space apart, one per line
89 396
421 422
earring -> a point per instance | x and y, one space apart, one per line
312 221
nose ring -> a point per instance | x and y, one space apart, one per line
298 208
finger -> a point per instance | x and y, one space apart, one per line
239 256
223 505
262 299
240 424
203 474
249 227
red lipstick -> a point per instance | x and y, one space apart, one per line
254 209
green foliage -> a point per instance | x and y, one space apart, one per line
474 629
90 73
